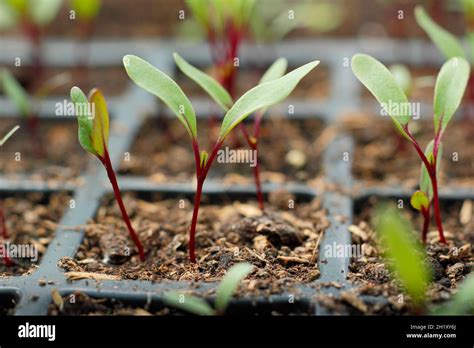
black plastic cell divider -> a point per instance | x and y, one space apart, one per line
30 293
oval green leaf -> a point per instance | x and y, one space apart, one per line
206 82
229 284
381 83
445 41
449 89
262 96
86 9
419 201
84 119
42 12
158 83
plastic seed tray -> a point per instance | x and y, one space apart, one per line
31 294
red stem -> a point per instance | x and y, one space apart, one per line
3 227
113 180
426 223
201 177
431 168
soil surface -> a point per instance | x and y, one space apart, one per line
31 220
280 244
383 156
288 150
450 263
56 156
315 86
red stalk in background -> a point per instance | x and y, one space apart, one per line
223 53
432 172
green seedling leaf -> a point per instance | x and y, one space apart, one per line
403 252
449 90
419 201
381 83
447 43
229 284
84 119
403 77
8 135
100 124
86 9
8 16
425 180
209 84
199 9
42 12
15 92
462 302
204 156
187 303
275 71
262 96
158 83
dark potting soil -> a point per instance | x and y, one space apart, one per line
450 263
58 158
112 81
31 221
280 244
288 151
315 86
383 157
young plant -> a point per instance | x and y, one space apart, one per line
86 12
93 121
404 254
32 16
3 224
449 90
446 42
262 96
24 101
225 291
224 100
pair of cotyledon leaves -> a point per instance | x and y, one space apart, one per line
449 89
273 88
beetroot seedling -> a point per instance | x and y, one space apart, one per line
224 294
449 90
31 16
25 102
3 223
260 97
93 121
224 100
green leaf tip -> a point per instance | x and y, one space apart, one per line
206 82
188 303
378 79
8 135
229 284
161 85
447 43
449 90
419 201
403 251
263 96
